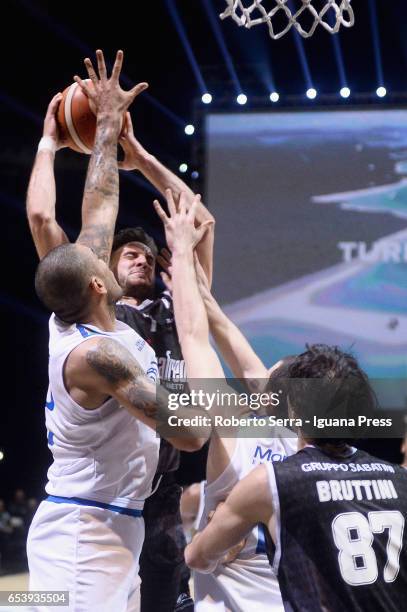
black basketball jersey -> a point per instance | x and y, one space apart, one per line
154 321
341 532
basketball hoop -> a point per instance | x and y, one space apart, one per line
332 16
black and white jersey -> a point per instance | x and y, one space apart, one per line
341 534
154 321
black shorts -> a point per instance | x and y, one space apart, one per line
164 575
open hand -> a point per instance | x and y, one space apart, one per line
105 93
180 230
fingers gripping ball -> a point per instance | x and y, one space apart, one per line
77 119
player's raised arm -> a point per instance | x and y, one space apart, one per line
248 504
41 194
137 158
233 345
190 314
104 368
101 196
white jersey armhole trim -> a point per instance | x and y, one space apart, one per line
277 514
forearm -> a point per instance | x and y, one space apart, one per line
162 178
101 196
204 251
41 198
192 322
232 344
190 313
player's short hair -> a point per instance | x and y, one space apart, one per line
134 234
62 282
328 382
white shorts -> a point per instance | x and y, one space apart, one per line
91 552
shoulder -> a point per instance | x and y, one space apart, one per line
102 355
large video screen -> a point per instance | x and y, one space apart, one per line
311 233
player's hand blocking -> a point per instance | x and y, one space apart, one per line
179 225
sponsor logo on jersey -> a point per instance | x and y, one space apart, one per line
171 369
140 344
262 454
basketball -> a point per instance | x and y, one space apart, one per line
77 119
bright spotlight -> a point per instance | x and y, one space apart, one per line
241 99
1 455
206 98
274 96
195 175
189 129
381 92
345 92
183 168
311 93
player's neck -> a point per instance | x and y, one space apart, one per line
132 301
103 318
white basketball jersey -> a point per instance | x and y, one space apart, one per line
104 455
247 584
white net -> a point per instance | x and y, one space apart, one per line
305 19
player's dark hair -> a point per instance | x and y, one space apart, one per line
327 382
62 282
134 234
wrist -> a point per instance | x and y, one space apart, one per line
109 116
47 143
182 251
142 157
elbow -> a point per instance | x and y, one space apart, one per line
189 444
191 559
196 561
38 218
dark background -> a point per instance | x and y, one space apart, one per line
44 43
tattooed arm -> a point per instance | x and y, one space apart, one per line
41 194
101 367
101 196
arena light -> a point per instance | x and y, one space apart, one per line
241 99
195 175
1 455
274 96
381 92
206 98
183 168
345 92
189 129
311 93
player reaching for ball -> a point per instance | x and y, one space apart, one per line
133 262
102 404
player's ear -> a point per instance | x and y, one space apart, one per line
97 285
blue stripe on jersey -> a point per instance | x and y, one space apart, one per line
50 438
51 404
261 541
57 499
85 332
